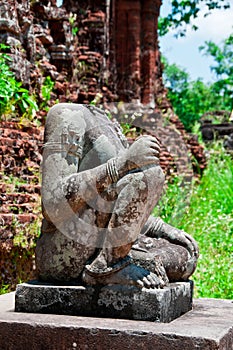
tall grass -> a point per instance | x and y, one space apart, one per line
205 210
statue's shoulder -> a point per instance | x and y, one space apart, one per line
72 112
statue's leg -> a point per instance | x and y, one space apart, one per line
178 251
59 257
138 193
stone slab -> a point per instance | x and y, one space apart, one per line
160 305
209 326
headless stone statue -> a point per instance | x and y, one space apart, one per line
97 196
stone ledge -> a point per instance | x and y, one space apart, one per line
209 326
161 305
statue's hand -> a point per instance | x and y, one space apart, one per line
143 152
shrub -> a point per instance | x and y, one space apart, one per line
14 99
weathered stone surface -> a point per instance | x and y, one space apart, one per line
229 142
77 159
211 131
161 305
209 326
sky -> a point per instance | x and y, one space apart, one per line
184 51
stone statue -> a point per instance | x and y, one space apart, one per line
97 196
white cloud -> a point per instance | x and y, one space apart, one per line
216 26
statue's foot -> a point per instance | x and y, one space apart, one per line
130 275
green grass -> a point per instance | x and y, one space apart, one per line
205 210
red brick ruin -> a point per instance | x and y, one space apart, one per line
89 48
135 48
114 52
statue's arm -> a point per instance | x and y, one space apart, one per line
155 227
83 186
62 183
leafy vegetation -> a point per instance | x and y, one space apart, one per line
191 99
46 90
204 210
14 99
222 68
4 288
72 20
183 12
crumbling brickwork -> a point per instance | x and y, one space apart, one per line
20 157
90 47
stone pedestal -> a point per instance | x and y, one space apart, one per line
160 305
208 326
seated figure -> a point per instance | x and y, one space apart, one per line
97 196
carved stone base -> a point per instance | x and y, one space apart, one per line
160 305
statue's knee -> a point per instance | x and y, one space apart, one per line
155 180
149 180
136 181
156 174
